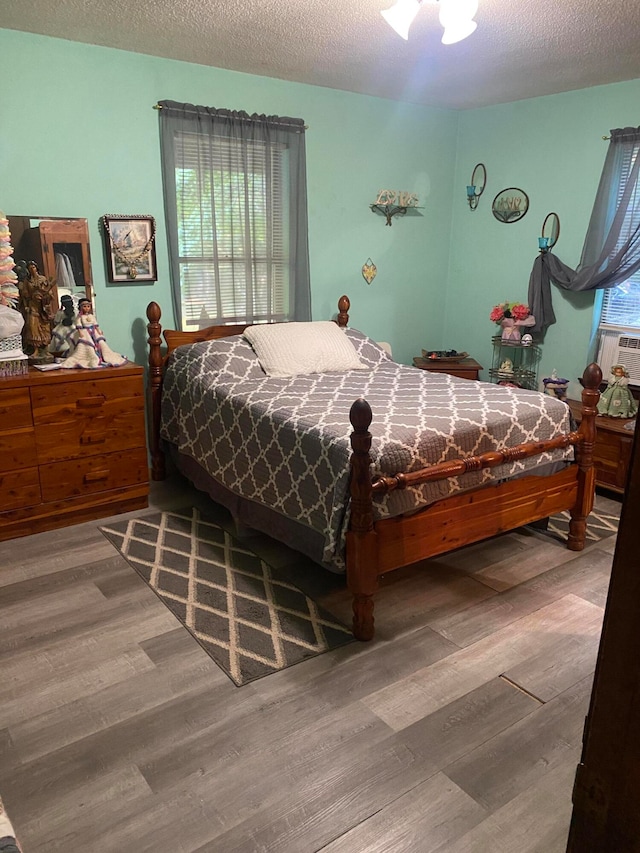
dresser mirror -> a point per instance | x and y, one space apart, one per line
60 248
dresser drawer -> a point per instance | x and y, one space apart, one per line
17 449
19 489
92 474
15 409
79 418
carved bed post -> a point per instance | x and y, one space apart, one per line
343 312
591 379
158 470
362 555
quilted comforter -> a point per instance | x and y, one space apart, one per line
284 442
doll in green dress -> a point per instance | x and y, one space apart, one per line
617 401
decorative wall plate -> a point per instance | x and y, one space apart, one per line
369 271
510 205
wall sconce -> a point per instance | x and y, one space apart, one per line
477 185
392 203
550 232
455 17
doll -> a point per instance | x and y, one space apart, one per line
617 400
90 346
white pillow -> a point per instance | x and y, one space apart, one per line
287 349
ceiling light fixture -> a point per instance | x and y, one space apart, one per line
455 16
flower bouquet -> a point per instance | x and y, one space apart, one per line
511 316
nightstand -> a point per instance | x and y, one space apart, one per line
467 368
612 451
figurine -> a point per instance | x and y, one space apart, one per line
63 328
37 306
90 346
506 368
555 385
617 401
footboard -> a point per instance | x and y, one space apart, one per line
376 548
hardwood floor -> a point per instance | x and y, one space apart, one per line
458 729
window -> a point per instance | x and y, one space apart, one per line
235 198
621 304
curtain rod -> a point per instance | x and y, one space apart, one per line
306 126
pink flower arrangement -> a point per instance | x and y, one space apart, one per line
514 310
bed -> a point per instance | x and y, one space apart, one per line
444 462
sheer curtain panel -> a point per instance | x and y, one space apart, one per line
611 251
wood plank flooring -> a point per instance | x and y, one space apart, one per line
458 729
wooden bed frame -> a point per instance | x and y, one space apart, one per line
377 547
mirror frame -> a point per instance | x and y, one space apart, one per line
482 169
43 253
555 221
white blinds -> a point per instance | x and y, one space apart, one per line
621 304
232 220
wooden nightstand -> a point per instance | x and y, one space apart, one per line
72 447
467 368
612 451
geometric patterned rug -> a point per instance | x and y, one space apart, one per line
247 616
601 523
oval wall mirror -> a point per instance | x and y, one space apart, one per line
479 178
477 185
510 205
550 230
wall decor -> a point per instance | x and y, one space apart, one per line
392 203
510 205
130 248
369 270
477 185
550 232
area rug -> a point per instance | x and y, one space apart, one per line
602 522
246 615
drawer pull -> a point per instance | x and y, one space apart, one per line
91 402
92 439
96 476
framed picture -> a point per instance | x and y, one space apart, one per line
130 248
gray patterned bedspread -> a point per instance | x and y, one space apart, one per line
284 442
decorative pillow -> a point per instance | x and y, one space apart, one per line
288 349
369 352
231 355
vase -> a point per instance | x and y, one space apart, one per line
510 332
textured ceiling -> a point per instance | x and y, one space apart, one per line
521 48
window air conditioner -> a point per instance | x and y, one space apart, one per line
619 349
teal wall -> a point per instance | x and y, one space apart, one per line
552 148
79 138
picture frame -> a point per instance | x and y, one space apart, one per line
130 248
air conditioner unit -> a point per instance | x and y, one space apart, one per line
616 348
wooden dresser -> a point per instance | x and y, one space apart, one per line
612 451
72 447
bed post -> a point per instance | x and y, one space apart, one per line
343 312
362 565
158 470
591 379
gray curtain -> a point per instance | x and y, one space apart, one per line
238 142
611 251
